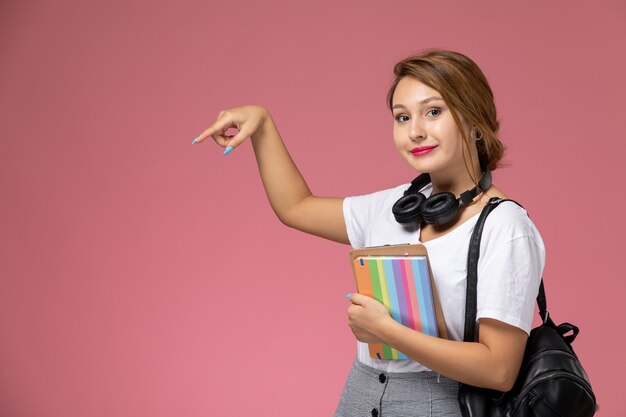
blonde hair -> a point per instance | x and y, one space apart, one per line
465 90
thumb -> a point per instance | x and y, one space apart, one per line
237 139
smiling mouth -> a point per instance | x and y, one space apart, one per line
422 150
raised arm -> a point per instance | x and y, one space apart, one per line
286 189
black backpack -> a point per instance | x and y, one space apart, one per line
551 381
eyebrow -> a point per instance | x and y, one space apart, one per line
426 100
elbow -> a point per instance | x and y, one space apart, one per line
287 220
506 385
505 379
283 215
292 216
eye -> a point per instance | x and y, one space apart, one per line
402 118
435 111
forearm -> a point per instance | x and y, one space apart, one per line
470 363
284 185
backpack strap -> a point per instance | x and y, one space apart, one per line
472 274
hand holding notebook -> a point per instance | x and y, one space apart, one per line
399 277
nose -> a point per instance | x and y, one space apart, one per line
416 130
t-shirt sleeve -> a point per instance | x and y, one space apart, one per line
509 275
356 215
367 217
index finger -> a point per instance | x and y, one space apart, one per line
358 299
221 125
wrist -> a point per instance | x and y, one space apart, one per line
385 328
266 124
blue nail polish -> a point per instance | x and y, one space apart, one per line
228 150
348 295
194 141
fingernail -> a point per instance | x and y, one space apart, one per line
228 150
194 141
348 295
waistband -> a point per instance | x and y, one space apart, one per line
424 375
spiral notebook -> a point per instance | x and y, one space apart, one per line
399 276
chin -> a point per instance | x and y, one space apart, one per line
423 166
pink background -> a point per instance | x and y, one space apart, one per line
129 257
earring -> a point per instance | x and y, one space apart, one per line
477 134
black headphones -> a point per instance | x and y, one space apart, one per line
414 208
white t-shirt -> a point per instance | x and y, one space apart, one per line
512 257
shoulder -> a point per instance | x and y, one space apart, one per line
509 214
369 219
378 200
508 222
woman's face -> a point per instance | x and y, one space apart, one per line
424 130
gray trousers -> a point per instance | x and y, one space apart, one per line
371 393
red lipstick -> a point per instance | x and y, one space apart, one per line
422 150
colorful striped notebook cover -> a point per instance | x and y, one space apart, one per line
399 276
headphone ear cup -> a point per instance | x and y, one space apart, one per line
408 208
440 208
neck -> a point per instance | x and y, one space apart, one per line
455 182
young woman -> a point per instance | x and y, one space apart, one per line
445 125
